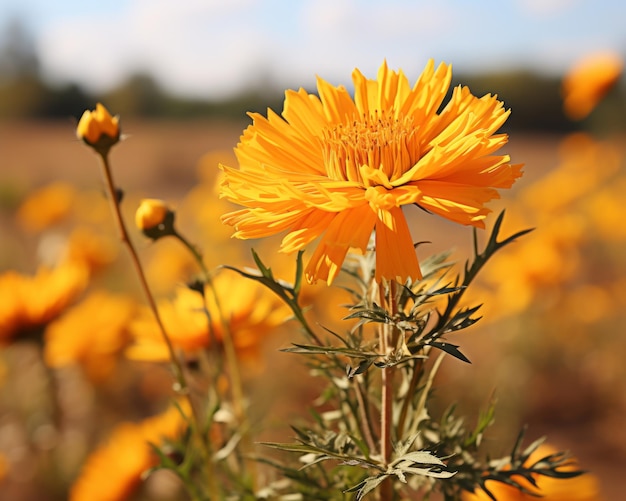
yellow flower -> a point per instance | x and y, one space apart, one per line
30 303
92 334
46 206
582 488
339 168
167 265
89 248
588 81
98 128
252 313
151 213
113 472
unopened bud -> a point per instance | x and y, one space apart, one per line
154 218
99 129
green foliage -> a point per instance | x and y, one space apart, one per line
340 451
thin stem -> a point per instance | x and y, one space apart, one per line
181 386
387 336
386 415
366 422
416 373
386 401
421 404
117 215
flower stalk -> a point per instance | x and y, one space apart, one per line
181 385
388 334
227 337
179 375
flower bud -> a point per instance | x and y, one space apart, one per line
99 129
154 218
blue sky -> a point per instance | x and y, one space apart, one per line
214 48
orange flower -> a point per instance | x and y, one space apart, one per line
113 472
94 250
339 168
582 488
252 313
589 81
30 303
98 128
92 334
46 206
151 213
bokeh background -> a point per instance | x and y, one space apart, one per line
182 75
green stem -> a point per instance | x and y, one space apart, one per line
117 215
181 387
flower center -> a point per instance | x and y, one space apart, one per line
379 142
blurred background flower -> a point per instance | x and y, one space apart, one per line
29 303
113 472
588 81
92 335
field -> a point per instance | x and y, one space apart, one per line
561 373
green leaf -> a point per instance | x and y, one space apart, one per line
450 349
297 283
326 350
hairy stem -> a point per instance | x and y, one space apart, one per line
387 335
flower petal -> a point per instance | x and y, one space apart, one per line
350 228
395 252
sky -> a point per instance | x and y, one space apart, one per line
216 48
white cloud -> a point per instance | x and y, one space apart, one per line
341 35
217 47
546 8
190 45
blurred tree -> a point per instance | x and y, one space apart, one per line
21 90
18 58
140 95
535 99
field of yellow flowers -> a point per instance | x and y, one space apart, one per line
78 384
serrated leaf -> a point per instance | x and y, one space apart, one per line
402 447
421 457
450 349
424 472
302 448
326 350
366 486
